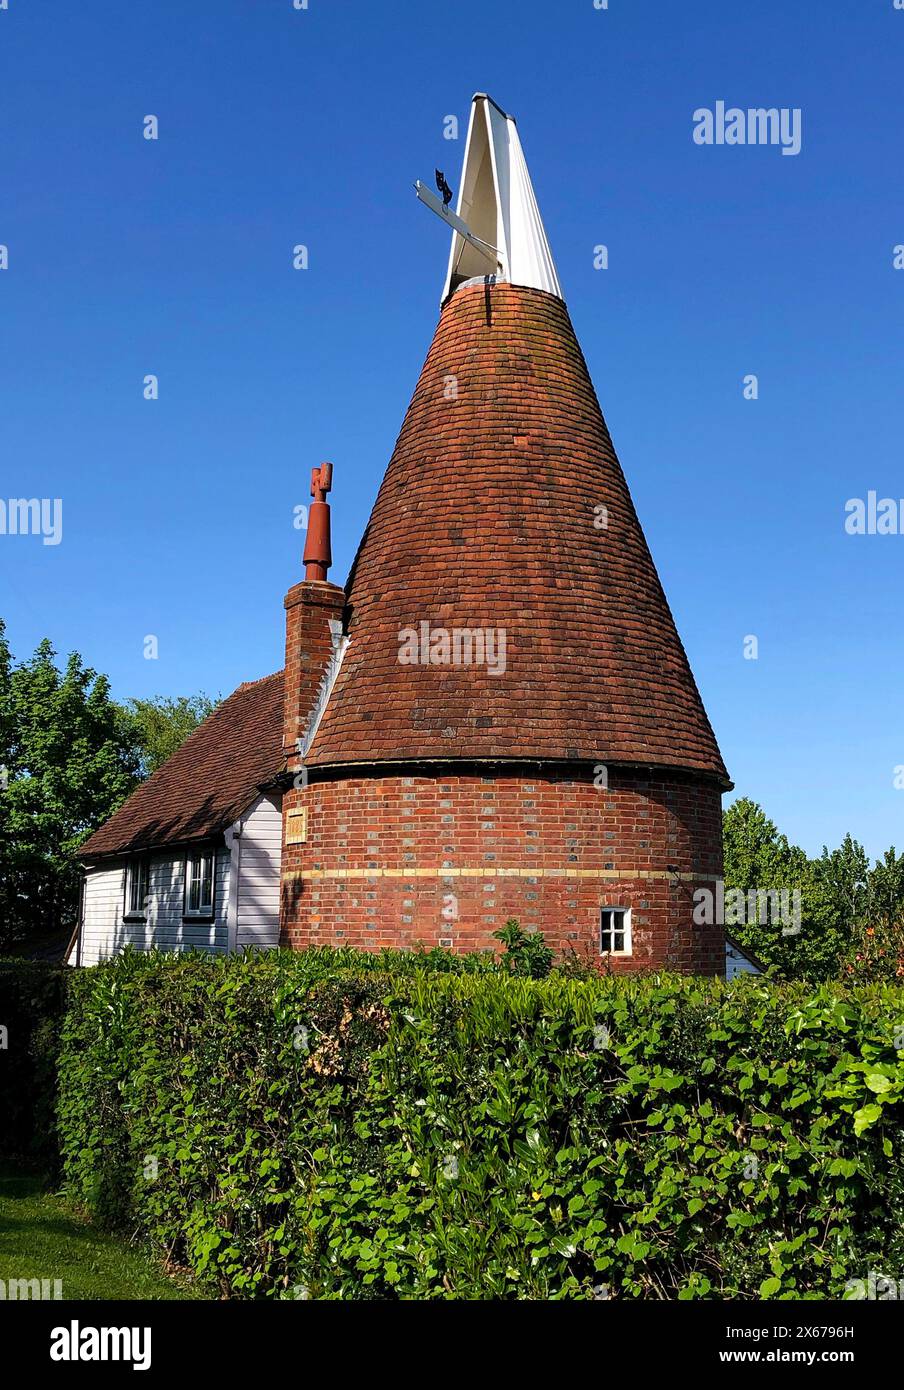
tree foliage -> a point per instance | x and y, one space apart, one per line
69 759
69 756
163 724
851 913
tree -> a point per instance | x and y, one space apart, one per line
877 952
844 876
808 933
70 759
852 914
69 756
162 725
886 890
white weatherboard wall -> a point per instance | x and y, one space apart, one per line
105 933
257 850
246 896
736 963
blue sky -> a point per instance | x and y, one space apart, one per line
277 127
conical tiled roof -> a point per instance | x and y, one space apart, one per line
489 516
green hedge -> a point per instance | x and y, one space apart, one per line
32 998
290 1125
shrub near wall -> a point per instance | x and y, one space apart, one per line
290 1129
32 999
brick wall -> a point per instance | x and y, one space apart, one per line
309 607
403 859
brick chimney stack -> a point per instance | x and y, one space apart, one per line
311 606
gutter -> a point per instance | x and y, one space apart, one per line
215 839
390 766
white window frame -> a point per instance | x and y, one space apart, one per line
609 930
137 877
204 911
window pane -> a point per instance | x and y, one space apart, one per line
199 894
193 885
613 929
137 887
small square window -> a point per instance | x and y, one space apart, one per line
136 887
199 882
297 825
615 931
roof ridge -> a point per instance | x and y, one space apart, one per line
247 685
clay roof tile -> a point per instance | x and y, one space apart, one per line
471 529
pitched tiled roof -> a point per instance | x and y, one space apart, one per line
209 781
488 517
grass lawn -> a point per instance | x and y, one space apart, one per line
42 1236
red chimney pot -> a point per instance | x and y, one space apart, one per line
317 554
